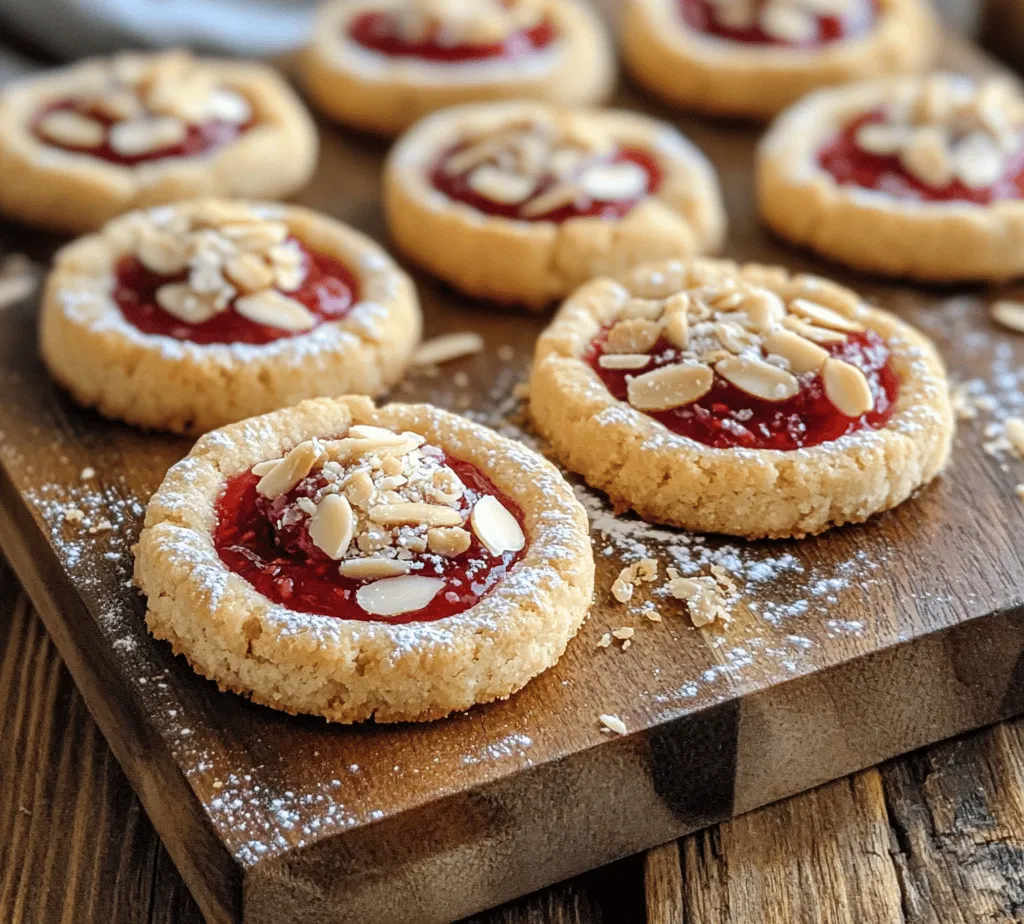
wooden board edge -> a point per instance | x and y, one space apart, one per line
213 876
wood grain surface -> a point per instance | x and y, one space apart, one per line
844 650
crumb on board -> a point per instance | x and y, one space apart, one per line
612 723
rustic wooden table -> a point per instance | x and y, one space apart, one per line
936 837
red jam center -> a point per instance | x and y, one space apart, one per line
379 31
288 569
457 187
727 417
329 291
858 20
852 166
199 138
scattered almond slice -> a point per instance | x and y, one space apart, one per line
614 182
226 105
824 317
623 360
812 332
978 161
758 378
295 466
636 335
249 272
927 157
787 23
262 468
623 633
398 595
669 387
559 195
1009 314
675 320
372 569
72 129
181 301
1013 431
501 186
613 723
622 588
332 526
846 387
273 309
449 542
802 355
145 135
412 512
448 347
495 527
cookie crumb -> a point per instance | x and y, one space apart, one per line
1013 431
612 723
605 640
73 515
708 598
1008 314
624 632
622 590
101 527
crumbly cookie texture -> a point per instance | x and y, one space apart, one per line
148 100
229 250
350 670
384 94
711 74
671 479
872 230
509 147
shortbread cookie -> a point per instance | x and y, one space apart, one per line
755 57
521 202
380 65
83 144
394 563
191 316
920 178
740 400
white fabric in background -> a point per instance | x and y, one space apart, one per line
72 28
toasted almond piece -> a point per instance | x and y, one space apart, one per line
358 487
495 527
373 569
273 309
295 466
787 23
227 105
811 332
72 129
249 272
927 157
565 161
758 378
501 186
978 161
255 234
830 294
1009 314
117 105
846 387
181 301
448 347
883 138
143 136
736 15
559 195
448 541
473 155
763 309
412 512
1013 431
650 309
370 432
801 354
733 337
669 387
623 360
261 468
614 182
934 102
162 252
397 595
344 450
635 335
613 723
332 526
822 316
676 321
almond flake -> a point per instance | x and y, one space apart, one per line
144 136
559 195
675 320
605 640
398 595
501 186
449 542
261 468
370 432
1013 431
162 252
614 182
613 723
448 347
758 378
72 129
255 235
495 527
732 337
846 387
801 354
787 23
978 161
289 471
414 513
226 105
179 299
763 309
883 139
636 335
823 317
1009 314
648 308
372 569
669 387
622 587
275 310
331 527
623 360
344 450
811 332
249 272
927 157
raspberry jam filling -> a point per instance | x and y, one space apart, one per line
328 290
638 167
851 165
200 138
727 417
810 30
380 31
268 542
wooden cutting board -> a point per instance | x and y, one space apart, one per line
843 650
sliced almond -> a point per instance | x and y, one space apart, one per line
978 161
559 195
846 387
72 129
649 309
370 432
669 387
226 105
801 354
763 309
495 527
273 309
830 294
449 542
473 155
162 252
733 337
261 468
117 105
882 138
255 235
344 450
676 321
614 182
1008 313
181 301
249 272
623 360
413 512
448 347
398 595
295 466
358 487
758 378
635 335
926 157
501 186
332 526
787 23
822 316
812 332
144 136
